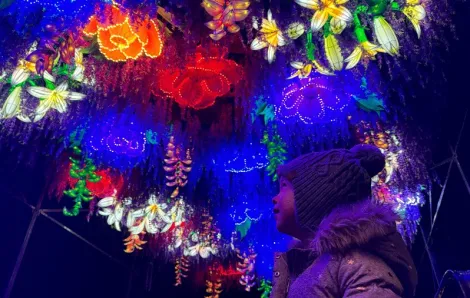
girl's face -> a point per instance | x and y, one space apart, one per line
284 209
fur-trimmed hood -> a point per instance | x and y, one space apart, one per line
353 226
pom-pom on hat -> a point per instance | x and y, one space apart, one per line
324 180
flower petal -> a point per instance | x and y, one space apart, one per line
134 51
48 76
118 212
136 230
233 28
321 69
59 103
214 25
258 44
105 212
92 27
138 213
62 87
78 73
295 30
271 54
386 35
19 76
319 19
117 226
106 202
11 107
310 4
150 227
78 57
297 65
340 12
111 219
213 7
353 58
23 118
281 41
114 55
76 96
38 117
333 52
337 25
39 92
217 35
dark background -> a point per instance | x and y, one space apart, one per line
57 263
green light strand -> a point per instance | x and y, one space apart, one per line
310 47
276 152
265 287
80 193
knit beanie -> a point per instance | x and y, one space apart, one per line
324 180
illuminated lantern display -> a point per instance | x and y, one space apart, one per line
117 141
176 167
225 14
105 187
207 75
246 266
120 39
181 270
270 37
170 123
312 101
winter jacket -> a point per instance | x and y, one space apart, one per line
356 252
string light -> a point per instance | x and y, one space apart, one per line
247 217
297 104
122 39
249 163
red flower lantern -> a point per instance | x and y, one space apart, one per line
103 188
207 75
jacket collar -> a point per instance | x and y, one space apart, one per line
353 226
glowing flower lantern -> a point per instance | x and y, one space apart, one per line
415 12
324 9
311 101
270 36
133 242
176 167
181 270
113 209
53 99
295 30
107 185
203 242
247 267
214 281
225 14
120 39
207 75
151 218
382 29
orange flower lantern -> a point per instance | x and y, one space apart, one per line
207 75
120 39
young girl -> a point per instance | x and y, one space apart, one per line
348 245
